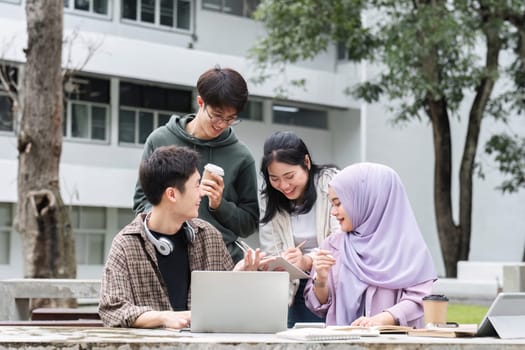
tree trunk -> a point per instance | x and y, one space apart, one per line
455 238
42 219
484 90
436 109
448 231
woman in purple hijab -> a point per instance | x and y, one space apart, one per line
376 271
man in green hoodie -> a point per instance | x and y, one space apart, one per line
230 203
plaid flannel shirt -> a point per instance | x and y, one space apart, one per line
132 282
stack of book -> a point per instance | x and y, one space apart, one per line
456 331
386 329
340 332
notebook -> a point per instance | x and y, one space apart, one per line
327 334
277 262
505 317
383 329
239 302
459 330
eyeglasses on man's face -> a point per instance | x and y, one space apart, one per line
216 119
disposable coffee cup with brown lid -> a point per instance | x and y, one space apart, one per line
212 169
435 309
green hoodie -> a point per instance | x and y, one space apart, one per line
238 213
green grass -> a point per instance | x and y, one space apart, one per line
463 313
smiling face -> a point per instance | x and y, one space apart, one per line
290 180
339 212
187 203
212 121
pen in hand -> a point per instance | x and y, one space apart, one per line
316 250
301 244
243 246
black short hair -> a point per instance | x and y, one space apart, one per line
167 166
223 87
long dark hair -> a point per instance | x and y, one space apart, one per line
287 147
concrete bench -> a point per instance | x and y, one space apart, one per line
481 281
474 291
17 293
510 276
485 270
50 323
64 314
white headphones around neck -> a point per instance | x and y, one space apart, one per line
164 245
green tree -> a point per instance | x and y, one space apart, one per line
433 54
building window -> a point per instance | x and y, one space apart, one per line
342 51
243 8
161 13
86 109
6 223
6 112
89 227
144 108
292 115
10 74
124 217
252 111
97 7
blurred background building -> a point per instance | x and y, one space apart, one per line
149 55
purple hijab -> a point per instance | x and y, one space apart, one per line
385 248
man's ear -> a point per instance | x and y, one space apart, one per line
171 193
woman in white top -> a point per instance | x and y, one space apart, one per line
295 210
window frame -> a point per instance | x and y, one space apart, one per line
137 111
8 231
70 8
86 232
209 7
4 94
156 22
68 115
14 72
298 107
254 100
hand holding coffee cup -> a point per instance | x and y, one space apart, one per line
435 309
212 184
212 169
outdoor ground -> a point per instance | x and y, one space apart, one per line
466 313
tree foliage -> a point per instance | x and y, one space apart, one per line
436 57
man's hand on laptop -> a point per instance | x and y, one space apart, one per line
177 319
165 319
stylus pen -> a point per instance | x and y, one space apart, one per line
315 250
446 325
243 246
301 244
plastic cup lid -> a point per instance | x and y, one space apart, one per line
212 168
436 297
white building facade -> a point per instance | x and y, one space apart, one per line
149 55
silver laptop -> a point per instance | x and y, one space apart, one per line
239 302
505 318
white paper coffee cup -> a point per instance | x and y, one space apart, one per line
212 169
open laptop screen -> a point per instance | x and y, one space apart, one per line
505 304
239 302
